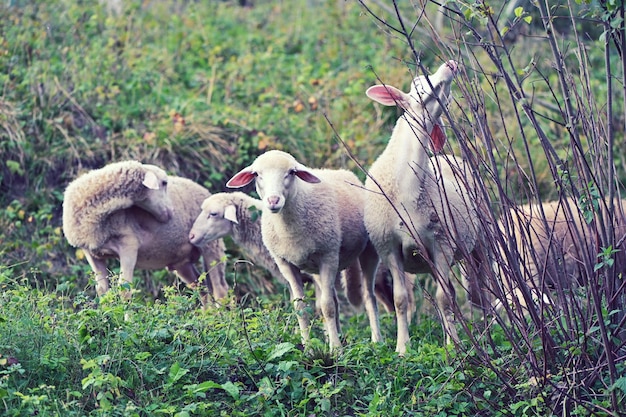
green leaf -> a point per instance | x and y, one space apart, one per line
620 384
176 373
232 389
528 19
280 350
519 11
142 356
203 387
15 167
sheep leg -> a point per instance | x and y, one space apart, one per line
128 250
218 281
369 263
400 299
98 266
189 274
127 269
217 272
296 288
336 301
445 297
328 302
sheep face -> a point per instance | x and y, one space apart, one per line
275 174
156 200
215 221
424 103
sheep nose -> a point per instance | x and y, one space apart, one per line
273 203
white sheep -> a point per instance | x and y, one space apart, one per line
551 242
236 214
312 221
136 213
420 217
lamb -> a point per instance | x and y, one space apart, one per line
225 214
419 217
312 221
233 214
552 243
136 213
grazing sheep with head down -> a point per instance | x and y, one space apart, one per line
234 214
553 245
420 217
312 221
135 213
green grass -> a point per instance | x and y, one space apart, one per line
72 356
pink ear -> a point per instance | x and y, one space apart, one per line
386 95
306 176
437 138
241 179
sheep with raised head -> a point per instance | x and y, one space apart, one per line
419 217
138 214
235 214
312 221
552 244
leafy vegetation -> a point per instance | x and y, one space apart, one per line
202 88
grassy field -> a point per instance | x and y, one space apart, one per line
201 89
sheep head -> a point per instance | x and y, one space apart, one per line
275 174
423 104
155 198
215 221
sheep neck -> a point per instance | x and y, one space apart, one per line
410 141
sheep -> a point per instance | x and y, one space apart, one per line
552 244
417 214
136 213
235 214
312 221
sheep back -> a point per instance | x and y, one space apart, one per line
91 198
557 246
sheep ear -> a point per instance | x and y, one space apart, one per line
437 137
151 181
230 214
241 179
307 176
386 95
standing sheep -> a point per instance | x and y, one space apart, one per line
233 214
313 221
417 214
552 245
137 214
